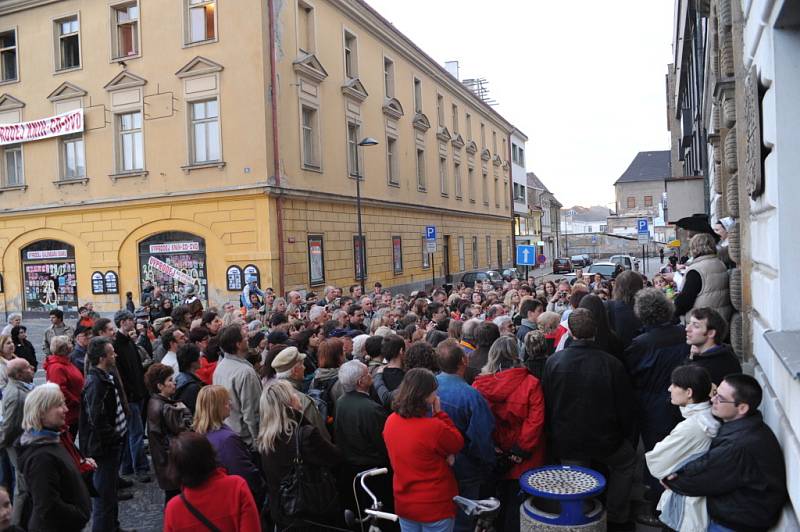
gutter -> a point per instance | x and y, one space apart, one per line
273 59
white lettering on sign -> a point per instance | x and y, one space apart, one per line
47 254
175 247
166 269
53 126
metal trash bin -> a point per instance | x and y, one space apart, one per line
572 489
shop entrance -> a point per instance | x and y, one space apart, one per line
172 261
49 278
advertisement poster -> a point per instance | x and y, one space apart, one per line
397 254
359 258
316 260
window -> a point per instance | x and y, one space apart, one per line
417 95
521 156
305 28
519 192
420 169
13 170
471 184
426 258
504 153
205 131
350 55
631 202
388 77
457 176
517 154
483 136
505 194
443 175
310 137
469 126
488 251
494 142
201 20
125 20
474 252
130 144
391 160
352 150
496 191
648 201
8 56
603 228
462 259
485 188
455 119
68 48
73 164
440 110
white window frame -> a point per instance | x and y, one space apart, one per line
310 29
521 156
119 142
354 165
193 160
439 109
443 175
422 185
496 191
58 37
114 10
392 173
485 187
468 125
315 161
454 111
188 6
18 154
350 53
505 194
483 136
388 77
457 178
417 84
471 184
64 147
10 49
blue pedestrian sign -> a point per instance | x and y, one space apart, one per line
526 255
430 232
643 231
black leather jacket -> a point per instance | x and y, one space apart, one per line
97 425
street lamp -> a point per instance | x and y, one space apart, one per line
366 141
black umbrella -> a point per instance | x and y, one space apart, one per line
697 223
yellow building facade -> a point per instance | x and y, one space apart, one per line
171 176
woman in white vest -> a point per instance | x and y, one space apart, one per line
705 280
691 391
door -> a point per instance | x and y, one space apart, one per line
448 278
49 277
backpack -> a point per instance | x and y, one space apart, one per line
320 393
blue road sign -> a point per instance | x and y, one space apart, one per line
526 255
643 226
643 231
430 232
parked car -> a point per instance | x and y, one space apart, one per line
578 261
587 259
493 276
512 273
609 270
626 261
562 265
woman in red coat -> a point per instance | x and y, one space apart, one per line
223 500
422 442
60 370
517 402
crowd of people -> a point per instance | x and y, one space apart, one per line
261 413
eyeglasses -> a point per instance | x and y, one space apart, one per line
719 399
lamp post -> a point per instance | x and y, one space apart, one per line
366 141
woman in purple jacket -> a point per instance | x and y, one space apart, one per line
213 406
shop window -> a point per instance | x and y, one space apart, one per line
205 131
201 20
8 56
172 261
49 277
68 46
13 169
130 142
73 161
125 21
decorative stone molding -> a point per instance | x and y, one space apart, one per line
8 102
725 18
753 176
199 66
124 80
737 337
421 122
728 109
703 7
496 160
726 64
713 128
719 207
506 165
732 195
735 289
734 244
355 90
310 67
731 162
443 134
485 154
392 107
472 148
717 176
457 141
66 91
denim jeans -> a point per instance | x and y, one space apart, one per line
133 457
443 525
105 508
716 527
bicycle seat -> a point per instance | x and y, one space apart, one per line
475 508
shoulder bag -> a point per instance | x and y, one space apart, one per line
199 516
307 489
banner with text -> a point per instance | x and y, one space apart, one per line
171 271
44 128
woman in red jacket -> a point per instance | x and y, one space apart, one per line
209 494
422 442
60 370
517 402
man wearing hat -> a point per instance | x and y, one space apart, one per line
289 366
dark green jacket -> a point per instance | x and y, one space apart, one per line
358 430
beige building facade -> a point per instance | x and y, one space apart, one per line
141 142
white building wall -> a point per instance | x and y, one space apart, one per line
774 220
519 174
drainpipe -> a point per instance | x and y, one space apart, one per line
273 59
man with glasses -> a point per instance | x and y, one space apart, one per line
743 475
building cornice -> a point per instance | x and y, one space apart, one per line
12 6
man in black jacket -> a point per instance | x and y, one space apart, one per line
588 400
743 475
102 429
704 333
131 372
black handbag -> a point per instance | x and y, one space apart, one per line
307 489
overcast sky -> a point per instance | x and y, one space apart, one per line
584 80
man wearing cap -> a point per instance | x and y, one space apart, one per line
80 342
289 366
131 373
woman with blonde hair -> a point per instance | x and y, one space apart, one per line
284 434
7 349
705 281
212 408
